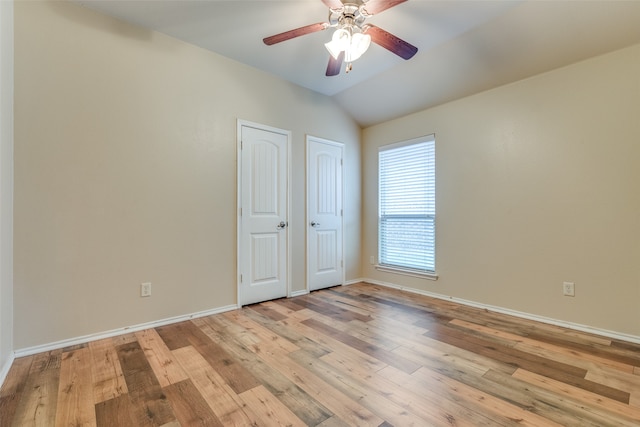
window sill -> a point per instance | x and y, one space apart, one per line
407 272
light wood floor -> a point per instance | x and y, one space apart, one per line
355 355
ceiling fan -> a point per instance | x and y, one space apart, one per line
353 35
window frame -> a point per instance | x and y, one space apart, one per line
430 217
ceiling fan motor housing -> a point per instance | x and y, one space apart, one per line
350 15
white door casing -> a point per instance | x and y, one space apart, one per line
325 265
263 199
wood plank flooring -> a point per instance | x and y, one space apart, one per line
358 355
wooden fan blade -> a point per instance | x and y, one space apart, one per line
334 66
390 42
376 6
333 4
287 35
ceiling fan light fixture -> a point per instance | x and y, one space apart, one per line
353 46
352 36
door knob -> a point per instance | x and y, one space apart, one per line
313 223
281 225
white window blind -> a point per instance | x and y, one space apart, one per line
407 204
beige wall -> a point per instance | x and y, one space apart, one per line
125 172
6 183
537 183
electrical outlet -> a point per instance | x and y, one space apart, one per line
569 289
372 260
145 289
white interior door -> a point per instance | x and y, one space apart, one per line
263 213
325 265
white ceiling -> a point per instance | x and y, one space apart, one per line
464 46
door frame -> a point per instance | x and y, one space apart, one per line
240 123
310 139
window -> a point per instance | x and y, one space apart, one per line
406 222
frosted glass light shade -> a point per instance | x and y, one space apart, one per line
359 45
340 41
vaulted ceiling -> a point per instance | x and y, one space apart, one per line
464 46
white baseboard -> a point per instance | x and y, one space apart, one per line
305 291
570 325
120 331
5 368
298 293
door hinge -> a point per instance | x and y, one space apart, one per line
241 278
240 211
341 264
241 144
341 214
